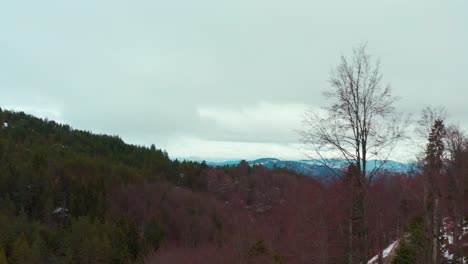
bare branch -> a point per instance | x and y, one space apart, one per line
360 122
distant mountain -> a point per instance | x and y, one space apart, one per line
316 167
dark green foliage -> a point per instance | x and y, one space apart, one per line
3 259
191 175
90 241
435 146
258 249
217 221
277 257
54 183
404 256
154 234
126 238
21 252
413 246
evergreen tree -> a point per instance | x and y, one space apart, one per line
38 249
413 245
432 172
154 234
3 259
435 147
20 252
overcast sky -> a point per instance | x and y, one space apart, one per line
220 79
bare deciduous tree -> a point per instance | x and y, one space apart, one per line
429 115
456 147
455 141
443 168
360 125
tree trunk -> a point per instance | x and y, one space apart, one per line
350 242
428 223
435 232
380 256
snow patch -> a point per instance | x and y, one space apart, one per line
60 210
385 253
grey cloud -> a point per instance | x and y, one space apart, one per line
144 69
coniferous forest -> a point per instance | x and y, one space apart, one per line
71 196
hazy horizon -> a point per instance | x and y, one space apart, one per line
217 80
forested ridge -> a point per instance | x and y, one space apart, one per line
71 196
54 184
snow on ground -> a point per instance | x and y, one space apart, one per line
448 236
447 225
385 253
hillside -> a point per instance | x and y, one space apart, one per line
71 196
55 179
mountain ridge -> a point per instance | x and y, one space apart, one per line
316 167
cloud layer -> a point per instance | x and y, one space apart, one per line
219 75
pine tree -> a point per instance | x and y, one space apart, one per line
20 253
37 249
435 147
3 259
154 234
432 172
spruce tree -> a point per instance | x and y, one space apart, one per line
3 259
432 172
20 253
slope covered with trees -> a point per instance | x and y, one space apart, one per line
70 196
54 185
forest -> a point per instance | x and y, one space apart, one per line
70 196
233 132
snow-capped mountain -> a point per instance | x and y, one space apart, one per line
316 167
